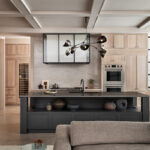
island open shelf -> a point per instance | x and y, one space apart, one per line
35 117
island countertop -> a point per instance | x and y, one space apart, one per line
66 93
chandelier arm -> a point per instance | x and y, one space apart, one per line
82 42
93 43
96 48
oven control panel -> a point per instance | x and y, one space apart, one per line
113 66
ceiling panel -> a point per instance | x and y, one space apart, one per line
6 5
117 21
13 22
74 5
61 21
126 5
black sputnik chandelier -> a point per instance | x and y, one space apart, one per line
85 45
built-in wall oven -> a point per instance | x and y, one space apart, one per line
113 78
116 88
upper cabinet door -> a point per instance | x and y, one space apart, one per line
131 73
141 72
51 48
119 41
10 73
82 56
142 41
131 41
62 50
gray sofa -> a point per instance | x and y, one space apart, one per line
103 135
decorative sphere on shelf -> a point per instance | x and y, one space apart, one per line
110 106
59 104
122 104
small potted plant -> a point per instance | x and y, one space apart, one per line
91 83
38 143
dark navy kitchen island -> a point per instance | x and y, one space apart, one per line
35 118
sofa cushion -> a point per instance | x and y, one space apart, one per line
114 147
97 132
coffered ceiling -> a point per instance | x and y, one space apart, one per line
94 16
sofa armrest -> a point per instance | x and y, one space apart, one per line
62 138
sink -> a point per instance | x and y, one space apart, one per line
75 90
92 90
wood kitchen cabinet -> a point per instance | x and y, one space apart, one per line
136 73
142 41
131 41
119 42
126 41
130 73
115 41
141 72
131 51
11 83
110 41
15 55
113 59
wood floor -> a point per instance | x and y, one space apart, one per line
10 129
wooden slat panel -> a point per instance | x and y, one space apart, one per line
110 41
10 91
18 50
11 100
10 50
10 73
119 41
131 41
114 59
130 73
141 72
142 40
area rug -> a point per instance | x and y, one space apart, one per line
18 147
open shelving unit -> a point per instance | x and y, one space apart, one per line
23 78
91 109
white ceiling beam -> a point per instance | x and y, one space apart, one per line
26 13
23 30
125 12
70 13
119 30
96 8
96 30
10 14
77 13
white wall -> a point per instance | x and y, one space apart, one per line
66 75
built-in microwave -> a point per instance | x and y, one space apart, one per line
113 74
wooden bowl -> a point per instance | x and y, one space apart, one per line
59 104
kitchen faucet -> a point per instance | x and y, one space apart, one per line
82 88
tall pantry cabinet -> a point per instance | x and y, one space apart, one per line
16 54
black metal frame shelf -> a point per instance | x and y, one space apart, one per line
74 60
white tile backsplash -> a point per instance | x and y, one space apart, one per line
65 75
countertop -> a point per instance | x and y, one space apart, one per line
66 93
